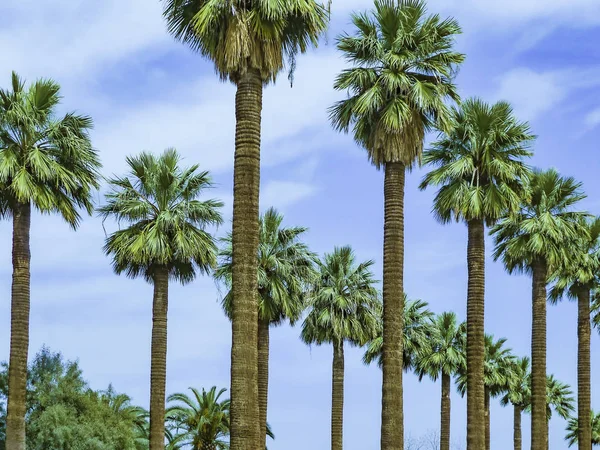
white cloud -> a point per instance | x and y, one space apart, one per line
482 13
281 194
592 120
533 93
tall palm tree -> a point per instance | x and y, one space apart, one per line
577 278
535 240
401 76
249 43
479 167
343 309
444 358
285 268
416 335
572 436
165 239
498 377
519 396
47 163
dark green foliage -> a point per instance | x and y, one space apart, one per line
64 413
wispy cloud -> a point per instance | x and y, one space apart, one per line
592 120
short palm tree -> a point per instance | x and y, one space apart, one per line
536 240
344 308
577 278
286 267
498 376
46 163
479 167
417 332
519 396
165 239
401 75
559 399
249 43
572 437
443 358
200 422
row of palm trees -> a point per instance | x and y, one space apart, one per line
399 83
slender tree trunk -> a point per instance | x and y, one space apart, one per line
263 376
584 407
337 397
392 414
445 426
539 435
19 328
158 370
245 423
517 427
487 419
475 335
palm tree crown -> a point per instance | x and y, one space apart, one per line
479 163
286 267
200 421
45 160
240 35
402 74
572 436
343 303
519 388
544 224
417 333
159 200
445 353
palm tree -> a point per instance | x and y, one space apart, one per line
535 240
573 430
402 71
48 163
285 269
200 422
498 377
479 166
577 278
559 398
343 308
444 358
249 43
166 239
416 335
519 396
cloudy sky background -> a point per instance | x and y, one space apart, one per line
116 62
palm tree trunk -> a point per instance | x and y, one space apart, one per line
475 335
337 397
392 414
517 427
19 328
584 406
487 419
539 431
245 423
263 376
158 370
445 425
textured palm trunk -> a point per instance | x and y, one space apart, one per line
584 407
19 328
209 446
245 423
392 414
517 427
487 419
539 430
158 364
263 376
475 335
445 425
337 397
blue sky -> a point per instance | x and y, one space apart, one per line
116 62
